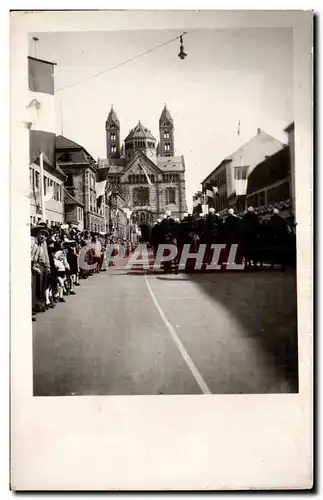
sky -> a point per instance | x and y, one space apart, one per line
227 76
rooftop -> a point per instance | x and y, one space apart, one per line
261 135
165 116
140 132
113 117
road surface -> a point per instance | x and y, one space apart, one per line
133 333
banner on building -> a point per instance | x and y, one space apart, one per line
41 76
100 188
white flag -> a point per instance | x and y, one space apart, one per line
209 193
215 190
147 176
49 193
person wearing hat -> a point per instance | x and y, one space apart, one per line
167 235
279 234
211 233
155 236
199 227
61 265
232 233
232 227
250 234
40 265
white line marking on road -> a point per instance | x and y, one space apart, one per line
196 374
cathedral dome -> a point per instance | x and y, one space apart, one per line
140 132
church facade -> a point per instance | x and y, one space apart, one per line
148 176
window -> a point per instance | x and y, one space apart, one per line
170 195
141 196
113 136
167 146
113 148
166 134
37 176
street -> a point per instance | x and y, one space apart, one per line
137 333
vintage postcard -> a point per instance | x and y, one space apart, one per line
161 263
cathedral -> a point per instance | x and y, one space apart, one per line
146 175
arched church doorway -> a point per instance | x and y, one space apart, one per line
144 219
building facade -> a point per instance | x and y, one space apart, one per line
46 178
149 178
269 184
231 175
80 186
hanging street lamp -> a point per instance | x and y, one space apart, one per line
182 54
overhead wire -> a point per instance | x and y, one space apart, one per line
122 63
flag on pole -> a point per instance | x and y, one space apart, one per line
215 190
145 172
205 205
239 126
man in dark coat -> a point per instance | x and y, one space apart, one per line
155 235
232 234
250 233
279 233
167 235
211 233
199 227
279 228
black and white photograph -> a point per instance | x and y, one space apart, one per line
185 139
164 209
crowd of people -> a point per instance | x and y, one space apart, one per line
55 262
259 240
55 251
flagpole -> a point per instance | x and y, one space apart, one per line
62 126
42 195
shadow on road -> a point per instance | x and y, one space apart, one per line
265 304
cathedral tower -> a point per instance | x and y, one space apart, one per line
166 133
112 128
